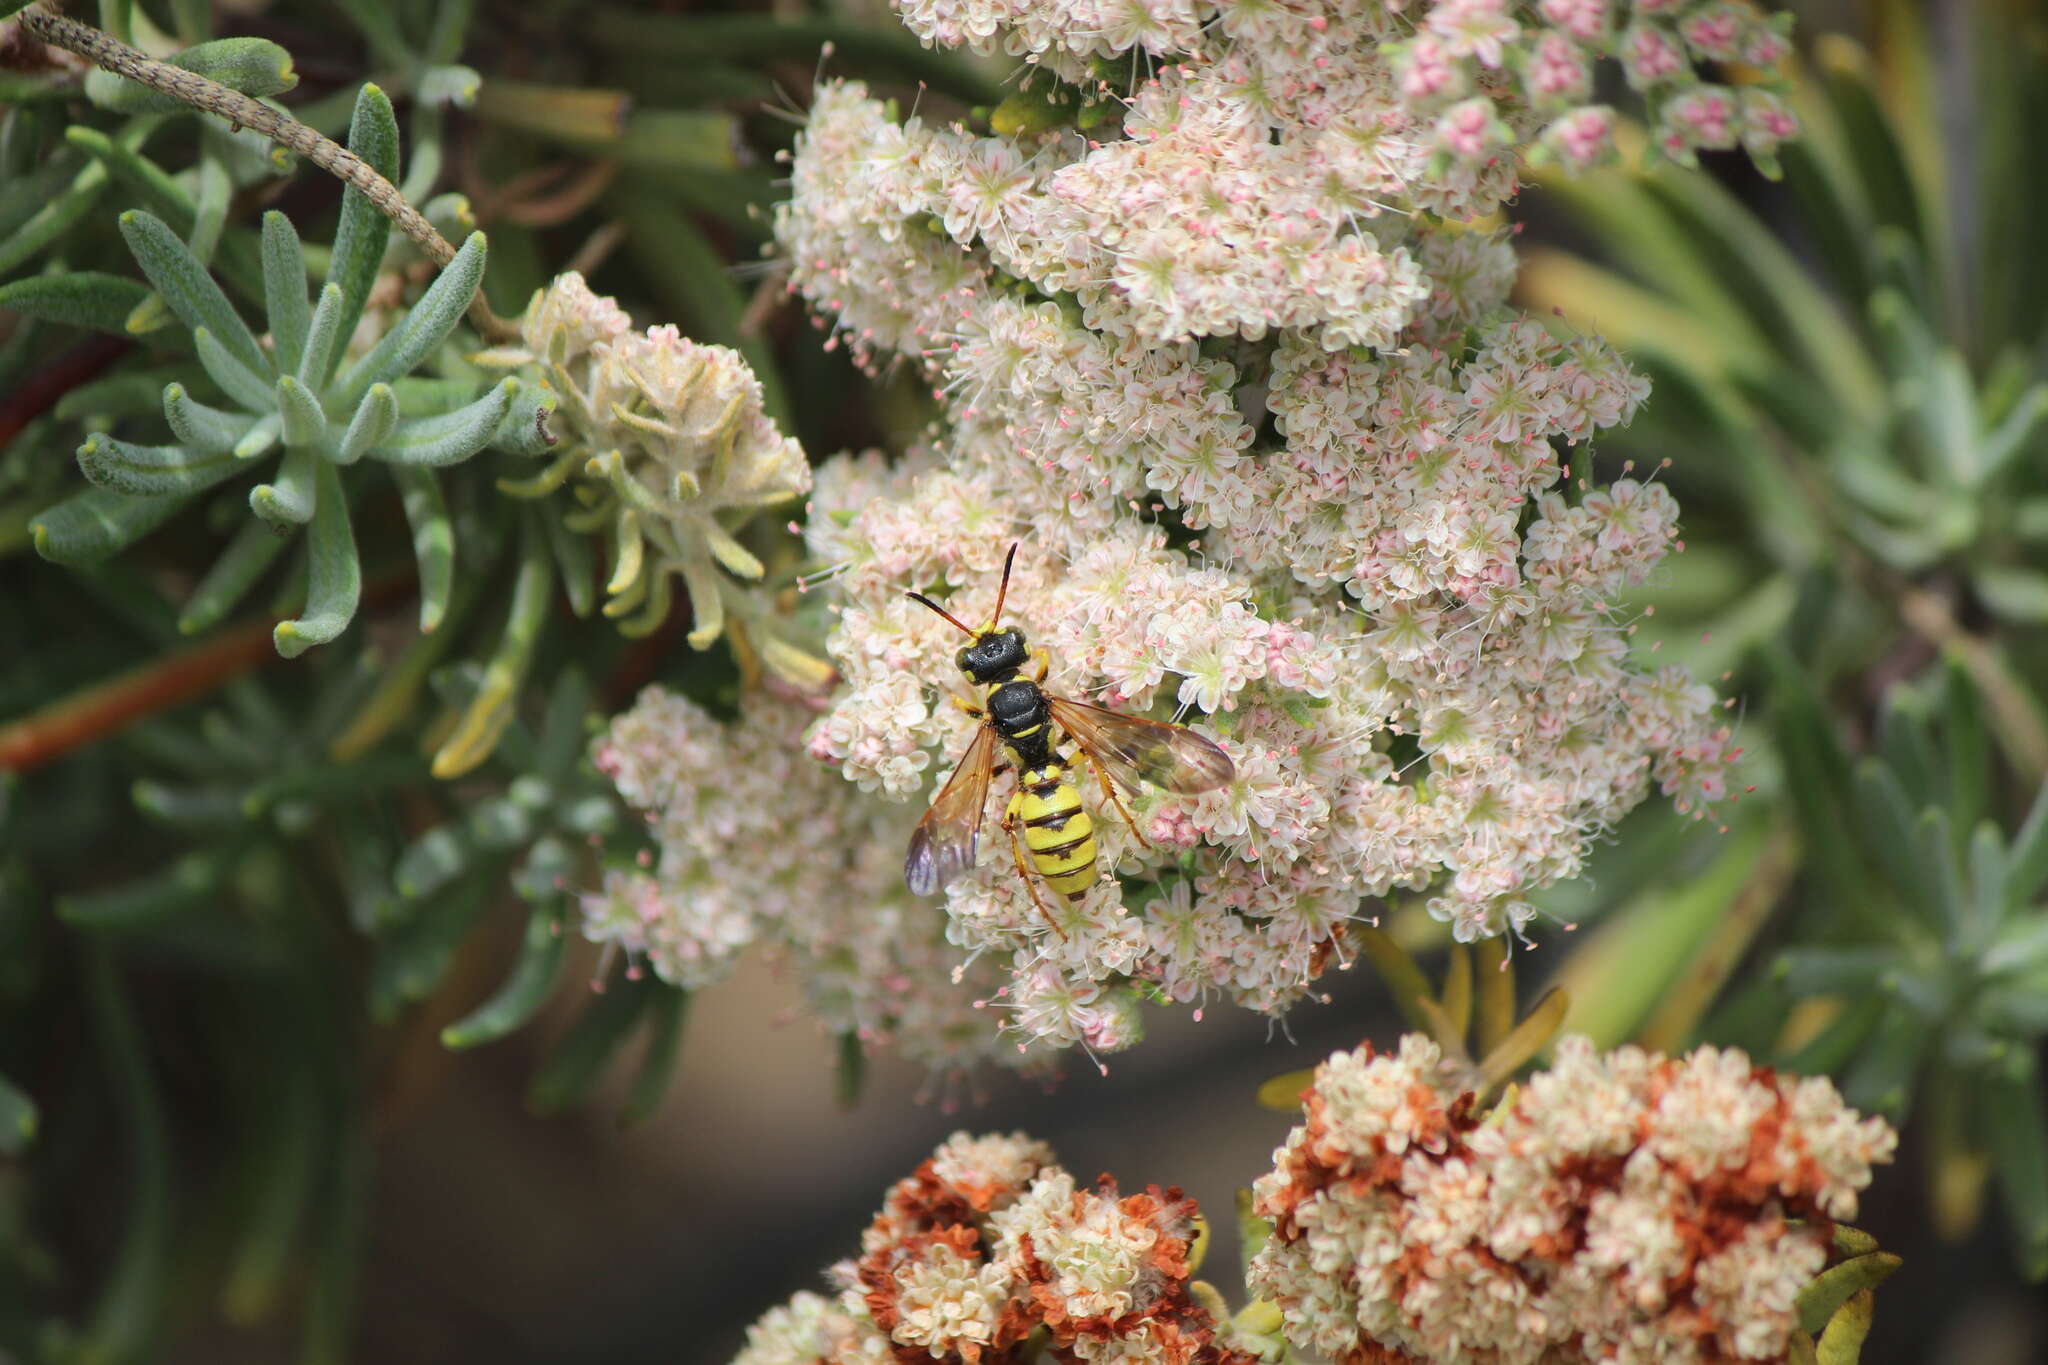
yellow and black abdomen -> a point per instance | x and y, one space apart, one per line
1057 831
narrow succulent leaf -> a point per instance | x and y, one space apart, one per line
334 584
2014 592
1538 1027
262 435
139 176
360 237
205 429
1832 971
2015 433
1496 994
189 290
707 600
284 290
211 809
374 419
425 326
136 394
1968 746
152 471
2017 1135
433 442
1839 1040
850 1069
77 298
477 733
254 548
575 565
2028 865
1456 996
1887 832
254 66
413 958
735 557
54 219
433 541
433 861
94 525
193 882
1881 1080
282 1174
524 991
1404 979
1933 843
1835 1286
324 336
563 739
1987 876
304 423
236 380
665 1013
1817 772
569 1071
1799 1350
1283 1093
210 208
289 500
524 431
18 1119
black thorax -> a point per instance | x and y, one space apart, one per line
1018 711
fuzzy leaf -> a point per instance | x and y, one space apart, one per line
94 525
413 960
2018 594
324 336
360 237
1833 1287
432 442
1842 1342
289 499
524 431
17 1119
262 436
425 326
284 290
141 177
77 298
254 548
2027 871
236 380
433 541
304 423
334 585
254 66
531 982
152 471
575 564
50 222
204 429
189 290
477 733
658 1063
374 419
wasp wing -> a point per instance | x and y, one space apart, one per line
946 839
1132 748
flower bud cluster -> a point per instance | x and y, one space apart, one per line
987 1249
756 844
1619 1207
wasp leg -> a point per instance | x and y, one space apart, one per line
1024 871
969 707
1109 790
1044 658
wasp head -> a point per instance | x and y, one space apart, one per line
995 656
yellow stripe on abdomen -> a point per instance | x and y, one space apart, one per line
1060 835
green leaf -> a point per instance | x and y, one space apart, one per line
433 860
262 435
525 428
2027 871
433 541
414 958
1828 1051
304 423
575 565
1842 1342
284 290
1882 1078
152 471
289 500
189 291
140 176
283 1166
77 298
2017 1136
208 430
254 66
1832 971
18 1119
193 882
433 442
1833 1287
254 548
524 991
236 380
374 419
658 1063
94 525
210 210
323 337
2018 594
574 1064
53 219
483 722
425 326
360 237
1968 745
335 583
1887 830
850 1075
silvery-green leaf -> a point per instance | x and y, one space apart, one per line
456 85
524 430
451 437
254 66
334 582
188 289
141 177
152 471
77 298
95 524
2018 594
374 419
304 423
236 380
261 437
424 326
433 540
323 337
252 550
360 237
284 290
289 500
201 427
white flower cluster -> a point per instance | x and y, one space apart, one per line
754 843
1622 1207
671 448
988 1243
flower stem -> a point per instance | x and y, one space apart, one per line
242 111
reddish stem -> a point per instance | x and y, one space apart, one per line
39 393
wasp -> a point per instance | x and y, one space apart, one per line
1044 817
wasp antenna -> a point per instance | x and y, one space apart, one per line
996 621
921 598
